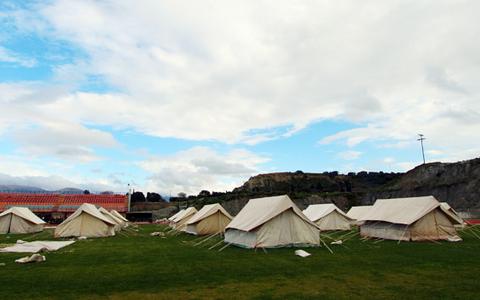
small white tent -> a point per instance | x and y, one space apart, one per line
20 220
328 216
87 221
118 223
408 219
118 215
180 222
357 212
172 219
271 222
210 219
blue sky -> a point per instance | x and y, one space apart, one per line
180 96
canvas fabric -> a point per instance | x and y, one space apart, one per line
20 220
452 213
118 223
334 221
36 246
172 218
119 215
261 210
285 229
435 225
401 210
214 223
86 221
357 212
314 212
181 221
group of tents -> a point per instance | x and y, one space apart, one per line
278 222
267 222
87 221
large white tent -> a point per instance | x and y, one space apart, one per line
180 222
211 219
408 219
357 212
20 220
86 221
328 216
271 222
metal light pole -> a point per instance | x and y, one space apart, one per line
421 139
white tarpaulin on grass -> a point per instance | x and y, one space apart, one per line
36 246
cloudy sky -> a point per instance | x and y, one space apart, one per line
180 96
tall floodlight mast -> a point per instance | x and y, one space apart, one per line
421 139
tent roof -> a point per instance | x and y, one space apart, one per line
91 210
110 215
451 212
208 210
172 218
261 210
356 212
25 213
118 215
186 213
315 212
401 210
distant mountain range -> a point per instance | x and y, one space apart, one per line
12 188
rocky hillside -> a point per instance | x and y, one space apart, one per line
456 183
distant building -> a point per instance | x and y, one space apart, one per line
58 206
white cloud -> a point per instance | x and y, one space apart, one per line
301 64
64 140
349 155
388 160
10 57
237 71
200 168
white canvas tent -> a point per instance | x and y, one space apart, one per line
357 212
271 222
175 216
86 221
180 222
211 219
118 223
20 220
408 219
118 215
328 216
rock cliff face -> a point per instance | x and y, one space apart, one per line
288 182
456 183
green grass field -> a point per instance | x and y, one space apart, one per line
139 266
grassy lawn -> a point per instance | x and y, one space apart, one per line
144 267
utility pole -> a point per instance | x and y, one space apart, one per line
421 139
129 198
